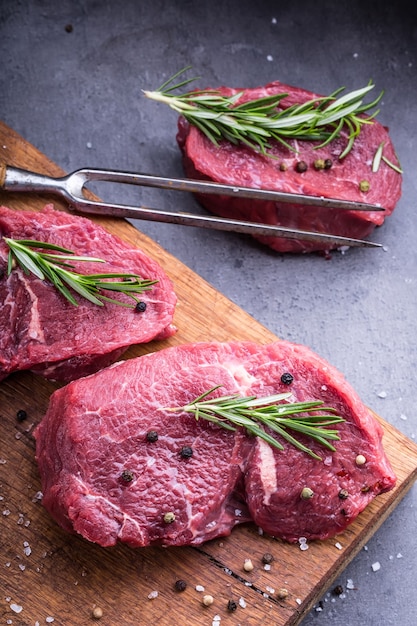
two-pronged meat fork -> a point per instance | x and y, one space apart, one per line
71 187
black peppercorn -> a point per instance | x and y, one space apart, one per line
301 166
127 476
267 558
343 494
287 378
21 415
140 307
152 436
231 606
186 452
328 164
180 585
338 590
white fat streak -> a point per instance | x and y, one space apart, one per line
267 470
34 327
240 374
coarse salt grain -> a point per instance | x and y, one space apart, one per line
267 567
269 57
16 608
153 595
242 603
199 588
382 394
349 584
49 619
338 545
376 566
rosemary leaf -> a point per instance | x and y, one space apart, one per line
273 412
56 269
254 122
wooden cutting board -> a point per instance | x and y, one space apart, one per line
46 573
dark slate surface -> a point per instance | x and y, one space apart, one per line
70 82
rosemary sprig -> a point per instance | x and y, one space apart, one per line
59 271
255 122
253 414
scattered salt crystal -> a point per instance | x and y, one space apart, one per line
199 588
153 595
403 417
242 603
238 512
303 543
355 55
216 620
382 394
27 549
38 496
399 555
376 566
16 608
344 249
324 387
6 512
49 619
274 21
338 545
298 600
270 589
3 461
22 567
267 567
269 57
227 571
89 144
349 584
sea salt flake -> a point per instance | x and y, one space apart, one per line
298 600
399 555
376 566
199 588
267 567
338 545
349 584
403 417
382 394
16 608
49 619
242 603
153 595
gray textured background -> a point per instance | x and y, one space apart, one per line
77 97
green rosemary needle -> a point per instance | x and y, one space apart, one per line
255 122
59 271
273 412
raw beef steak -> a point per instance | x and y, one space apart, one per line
239 165
115 466
42 331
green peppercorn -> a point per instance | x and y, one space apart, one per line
306 493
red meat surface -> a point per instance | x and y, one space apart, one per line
96 433
42 331
239 165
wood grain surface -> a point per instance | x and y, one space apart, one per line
49 576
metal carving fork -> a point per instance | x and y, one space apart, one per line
71 187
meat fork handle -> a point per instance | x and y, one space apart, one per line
16 179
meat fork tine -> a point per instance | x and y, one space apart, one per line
71 187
